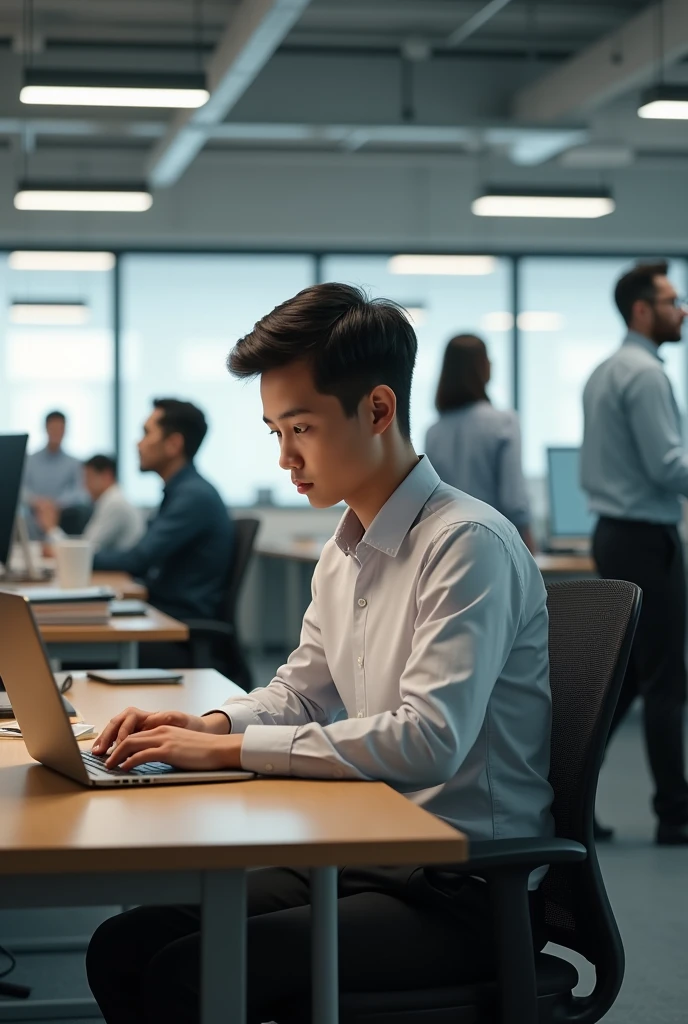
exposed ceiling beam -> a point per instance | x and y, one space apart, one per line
476 22
623 60
253 34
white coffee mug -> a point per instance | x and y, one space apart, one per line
74 563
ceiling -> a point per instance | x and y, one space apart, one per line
525 81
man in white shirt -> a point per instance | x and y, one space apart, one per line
423 663
115 523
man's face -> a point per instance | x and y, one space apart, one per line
329 455
97 483
55 429
156 450
667 317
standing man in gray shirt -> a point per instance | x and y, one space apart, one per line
634 469
51 476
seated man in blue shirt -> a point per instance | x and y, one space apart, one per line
185 554
423 663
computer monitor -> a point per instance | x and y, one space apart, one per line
570 523
12 455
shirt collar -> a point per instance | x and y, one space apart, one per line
182 474
633 338
396 517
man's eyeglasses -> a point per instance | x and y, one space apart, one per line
676 302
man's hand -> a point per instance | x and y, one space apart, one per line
183 748
134 720
47 514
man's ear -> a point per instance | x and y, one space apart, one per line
383 404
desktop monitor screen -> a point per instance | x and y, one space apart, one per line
12 453
568 510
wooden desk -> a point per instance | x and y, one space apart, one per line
122 584
61 844
566 567
116 641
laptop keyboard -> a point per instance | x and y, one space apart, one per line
97 764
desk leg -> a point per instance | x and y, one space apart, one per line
223 948
324 956
129 655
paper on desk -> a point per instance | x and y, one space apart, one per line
82 731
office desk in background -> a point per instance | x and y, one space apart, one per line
65 845
299 557
116 642
121 582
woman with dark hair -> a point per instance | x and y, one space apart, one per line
474 446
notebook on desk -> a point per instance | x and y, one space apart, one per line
44 722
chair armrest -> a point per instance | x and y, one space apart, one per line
499 855
209 629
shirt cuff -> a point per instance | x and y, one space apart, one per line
240 716
266 749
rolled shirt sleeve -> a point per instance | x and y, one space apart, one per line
656 428
469 601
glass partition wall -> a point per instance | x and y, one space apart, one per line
101 343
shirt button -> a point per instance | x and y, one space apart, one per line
359 662
360 714
268 767
362 602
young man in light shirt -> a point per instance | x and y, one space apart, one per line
423 663
115 523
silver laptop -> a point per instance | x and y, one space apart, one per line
46 729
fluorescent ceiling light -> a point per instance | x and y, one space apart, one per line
667 102
435 264
87 197
33 312
542 203
88 89
497 321
36 260
540 320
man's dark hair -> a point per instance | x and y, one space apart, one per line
464 373
353 344
102 464
55 415
182 418
638 283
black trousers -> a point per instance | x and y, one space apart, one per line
651 555
398 928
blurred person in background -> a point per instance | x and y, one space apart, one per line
473 446
52 477
634 469
115 523
184 557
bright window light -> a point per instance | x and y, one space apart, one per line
437 264
523 205
499 320
62 314
415 313
87 199
540 320
103 96
35 260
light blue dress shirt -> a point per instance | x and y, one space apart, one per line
477 449
423 663
57 476
633 463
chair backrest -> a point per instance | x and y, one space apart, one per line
591 628
245 531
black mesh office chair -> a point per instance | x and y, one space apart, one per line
592 623
215 642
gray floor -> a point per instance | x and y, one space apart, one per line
646 886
